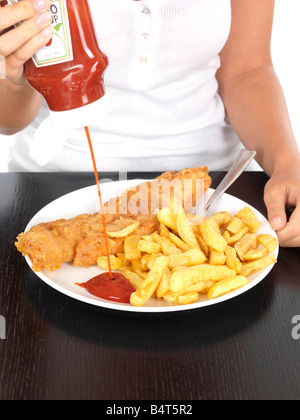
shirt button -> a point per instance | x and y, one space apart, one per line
146 11
145 36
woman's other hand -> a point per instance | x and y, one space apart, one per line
283 192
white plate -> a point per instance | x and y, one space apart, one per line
85 201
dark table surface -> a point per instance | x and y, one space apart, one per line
60 348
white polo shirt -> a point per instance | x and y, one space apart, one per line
166 111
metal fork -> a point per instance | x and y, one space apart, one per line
242 162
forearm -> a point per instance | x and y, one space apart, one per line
257 110
19 105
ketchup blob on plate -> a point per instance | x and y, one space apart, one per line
116 289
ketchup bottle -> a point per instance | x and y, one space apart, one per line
69 71
69 74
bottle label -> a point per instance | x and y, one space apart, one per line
60 49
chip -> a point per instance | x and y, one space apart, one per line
124 232
186 277
115 262
191 256
247 242
131 247
146 290
185 231
187 258
257 265
268 242
210 232
249 219
226 286
149 247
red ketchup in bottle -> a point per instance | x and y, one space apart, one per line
69 71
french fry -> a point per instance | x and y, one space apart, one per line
132 277
249 219
179 242
164 284
170 297
136 265
247 242
120 254
203 246
152 261
186 277
146 290
232 260
255 254
149 247
187 298
145 261
257 265
235 225
226 286
167 246
124 232
131 247
227 236
223 218
181 299
231 240
166 217
268 242
185 231
115 262
149 238
216 257
163 230
178 268
211 234
200 287
187 258
206 287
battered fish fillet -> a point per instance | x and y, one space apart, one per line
81 239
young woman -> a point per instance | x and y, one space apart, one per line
190 82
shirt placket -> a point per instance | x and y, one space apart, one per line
146 45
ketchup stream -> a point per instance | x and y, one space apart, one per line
109 286
87 131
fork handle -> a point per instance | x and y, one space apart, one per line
242 162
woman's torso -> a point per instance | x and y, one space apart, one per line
166 111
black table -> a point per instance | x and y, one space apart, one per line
60 348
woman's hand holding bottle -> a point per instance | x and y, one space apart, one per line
19 43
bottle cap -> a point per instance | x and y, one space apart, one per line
54 131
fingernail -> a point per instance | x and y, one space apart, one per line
41 5
44 19
276 223
46 33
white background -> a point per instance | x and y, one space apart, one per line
286 58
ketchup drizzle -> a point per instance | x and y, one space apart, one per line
87 131
109 286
